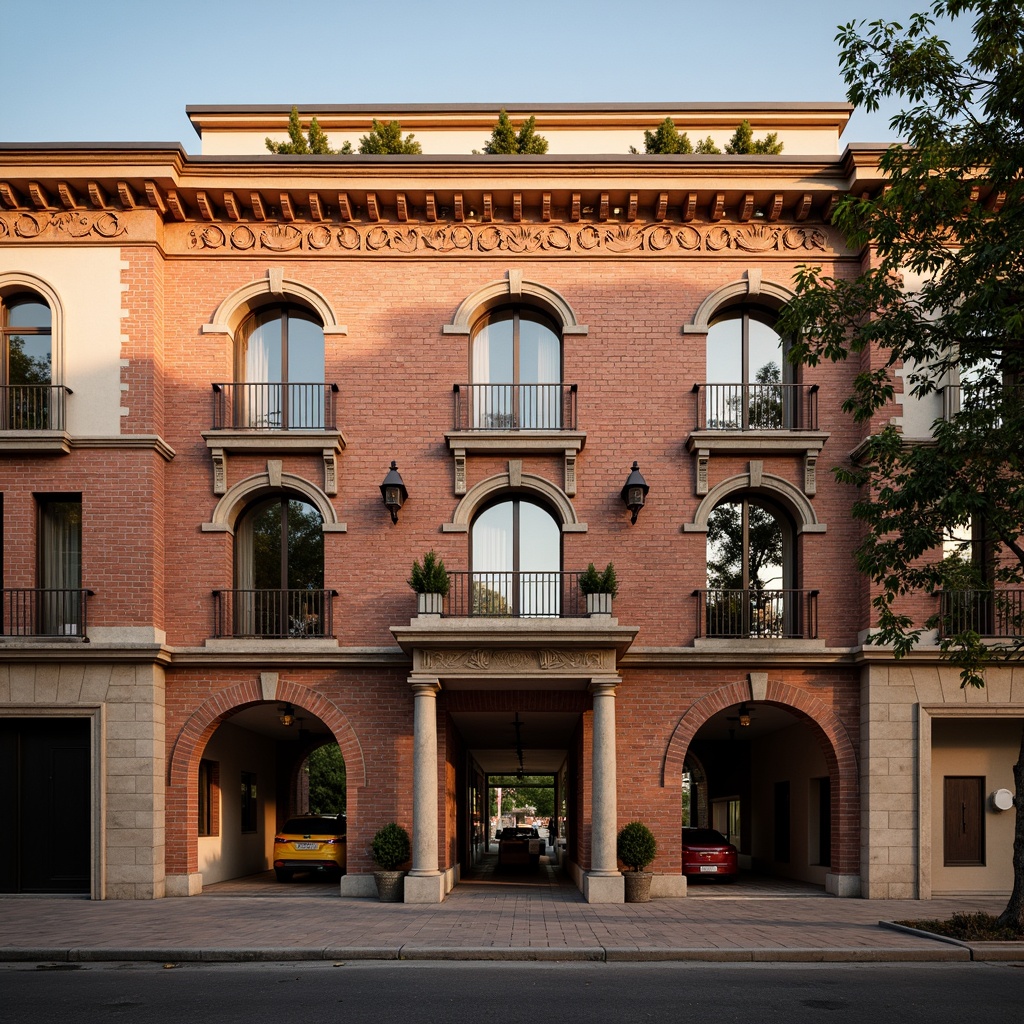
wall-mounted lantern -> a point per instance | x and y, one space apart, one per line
634 493
393 491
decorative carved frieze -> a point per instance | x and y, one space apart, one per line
72 223
462 239
486 661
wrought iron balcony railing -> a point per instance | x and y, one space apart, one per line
44 613
757 406
244 406
274 614
993 613
33 406
515 406
515 595
757 614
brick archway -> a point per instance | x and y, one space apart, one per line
183 764
840 755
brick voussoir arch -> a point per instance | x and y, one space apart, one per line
782 694
202 723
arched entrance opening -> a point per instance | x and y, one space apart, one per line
767 777
262 765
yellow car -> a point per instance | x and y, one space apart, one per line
310 842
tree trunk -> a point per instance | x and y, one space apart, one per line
1013 915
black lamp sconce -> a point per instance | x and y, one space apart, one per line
393 491
634 493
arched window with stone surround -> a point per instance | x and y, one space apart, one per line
516 370
516 560
30 402
747 372
751 570
279 569
279 370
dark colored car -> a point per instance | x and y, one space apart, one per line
708 854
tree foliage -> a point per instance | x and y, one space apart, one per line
743 141
313 142
505 140
386 139
327 780
939 303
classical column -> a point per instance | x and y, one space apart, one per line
603 882
424 883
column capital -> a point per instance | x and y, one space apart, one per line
604 685
429 685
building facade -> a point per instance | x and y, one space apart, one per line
212 362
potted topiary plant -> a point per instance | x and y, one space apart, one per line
637 847
599 588
390 847
431 582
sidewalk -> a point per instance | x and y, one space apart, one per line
481 922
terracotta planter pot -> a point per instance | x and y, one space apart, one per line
390 886
638 886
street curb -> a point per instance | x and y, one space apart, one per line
1004 951
593 954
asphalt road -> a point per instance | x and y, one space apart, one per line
510 993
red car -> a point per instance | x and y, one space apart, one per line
708 854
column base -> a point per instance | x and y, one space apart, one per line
184 885
358 885
424 888
604 888
842 885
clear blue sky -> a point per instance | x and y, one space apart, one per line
124 70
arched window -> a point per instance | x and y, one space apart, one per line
279 367
516 371
747 374
26 364
279 570
750 571
516 560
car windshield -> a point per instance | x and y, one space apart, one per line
314 826
704 837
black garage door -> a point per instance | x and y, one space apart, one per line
45 805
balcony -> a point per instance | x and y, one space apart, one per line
272 407
754 420
274 614
40 613
757 614
277 419
501 419
757 406
33 418
515 595
515 406
989 613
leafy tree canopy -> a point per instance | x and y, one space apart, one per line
505 140
327 780
743 141
314 142
939 303
386 139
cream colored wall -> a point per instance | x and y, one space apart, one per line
987 747
806 142
898 705
232 854
87 281
126 702
792 755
